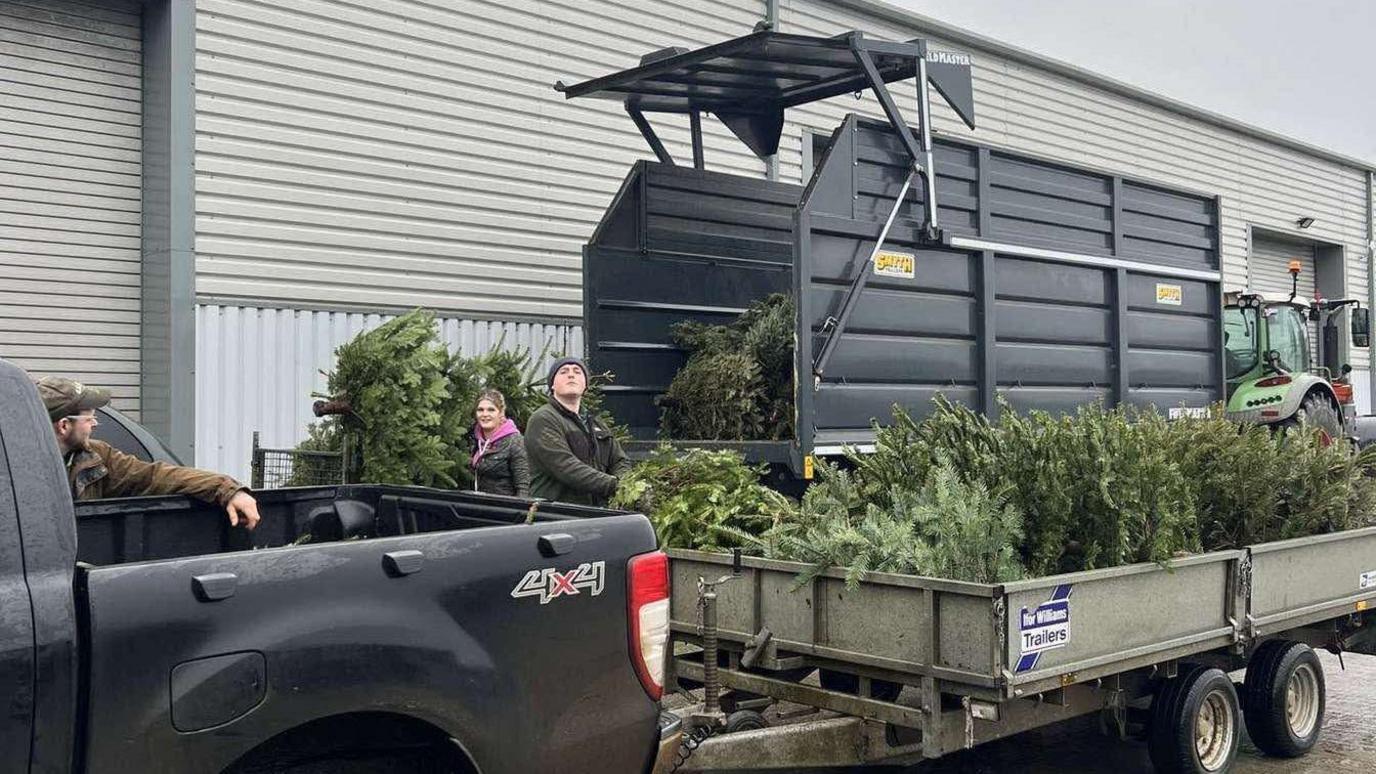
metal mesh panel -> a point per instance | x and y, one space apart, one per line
276 468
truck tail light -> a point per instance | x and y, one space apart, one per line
1274 381
647 612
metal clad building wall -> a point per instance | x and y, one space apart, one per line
70 164
395 153
1039 112
257 368
367 154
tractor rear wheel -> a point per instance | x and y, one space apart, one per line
1318 413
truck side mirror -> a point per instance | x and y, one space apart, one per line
1361 327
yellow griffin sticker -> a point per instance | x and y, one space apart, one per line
1173 295
887 264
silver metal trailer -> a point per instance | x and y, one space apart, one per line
1145 645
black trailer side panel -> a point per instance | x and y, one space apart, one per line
1081 287
677 244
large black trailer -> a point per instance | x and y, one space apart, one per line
919 265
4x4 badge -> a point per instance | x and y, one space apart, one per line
549 583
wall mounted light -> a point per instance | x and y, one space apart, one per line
1304 222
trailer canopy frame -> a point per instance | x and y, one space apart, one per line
748 83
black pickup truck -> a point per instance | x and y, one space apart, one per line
358 629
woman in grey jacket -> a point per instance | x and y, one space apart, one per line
498 450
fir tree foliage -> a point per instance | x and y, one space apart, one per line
1104 487
412 401
958 496
737 383
701 499
395 378
945 527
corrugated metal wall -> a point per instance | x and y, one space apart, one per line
70 164
376 154
393 153
257 368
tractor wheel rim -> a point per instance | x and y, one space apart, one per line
1214 731
1302 701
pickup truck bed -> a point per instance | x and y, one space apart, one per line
416 617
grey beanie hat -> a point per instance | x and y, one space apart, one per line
560 363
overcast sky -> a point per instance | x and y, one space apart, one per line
1304 70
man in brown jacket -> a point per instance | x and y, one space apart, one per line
97 470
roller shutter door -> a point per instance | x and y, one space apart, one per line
70 190
1270 269
1270 272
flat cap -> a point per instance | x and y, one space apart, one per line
65 397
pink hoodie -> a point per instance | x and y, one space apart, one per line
484 443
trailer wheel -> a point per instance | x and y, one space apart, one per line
844 682
1285 698
1195 723
745 720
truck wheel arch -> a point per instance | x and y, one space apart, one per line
376 734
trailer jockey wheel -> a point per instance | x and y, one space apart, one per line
1195 723
745 720
1285 698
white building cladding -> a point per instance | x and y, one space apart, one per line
326 160
70 142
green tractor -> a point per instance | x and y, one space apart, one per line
1272 376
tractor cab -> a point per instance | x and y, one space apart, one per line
1273 375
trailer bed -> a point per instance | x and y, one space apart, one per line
987 660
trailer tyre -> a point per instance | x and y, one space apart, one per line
1285 698
1195 725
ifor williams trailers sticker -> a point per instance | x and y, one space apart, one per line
1045 627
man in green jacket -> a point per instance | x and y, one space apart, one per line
97 470
573 457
